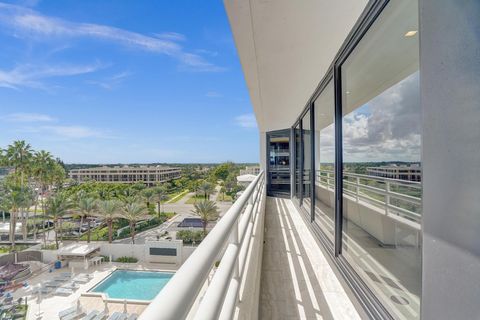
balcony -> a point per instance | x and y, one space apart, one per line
260 261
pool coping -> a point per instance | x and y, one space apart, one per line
104 296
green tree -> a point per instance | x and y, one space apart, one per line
57 207
206 188
133 212
12 199
207 210
149 196
108 210
87 207
160 193
222 171
19 155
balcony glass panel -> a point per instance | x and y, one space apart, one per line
324 107
381 134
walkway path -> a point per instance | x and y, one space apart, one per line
297 281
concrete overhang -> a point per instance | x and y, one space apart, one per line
285 49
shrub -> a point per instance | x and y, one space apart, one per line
127 260
50 246
189 236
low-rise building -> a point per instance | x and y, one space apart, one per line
409 173
255 170
149 175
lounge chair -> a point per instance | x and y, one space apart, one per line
91 315
118 316
70 285
63 291
75 315
66 312
52 284
101 316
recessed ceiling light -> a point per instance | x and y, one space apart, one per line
411 33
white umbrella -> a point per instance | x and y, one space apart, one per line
124 305
39 300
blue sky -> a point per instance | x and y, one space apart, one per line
124 81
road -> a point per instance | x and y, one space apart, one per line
182 210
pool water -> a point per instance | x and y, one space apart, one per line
133 285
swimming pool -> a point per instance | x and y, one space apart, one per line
133 285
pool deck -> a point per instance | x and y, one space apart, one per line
52 304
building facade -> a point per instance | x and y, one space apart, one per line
410 173
255 170
149 175
370 82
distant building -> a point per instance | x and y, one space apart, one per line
149 175
245 179
255 170
410 173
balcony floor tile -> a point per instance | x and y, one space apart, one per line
297 282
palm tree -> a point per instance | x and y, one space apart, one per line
42 168
161 196
207 189
222 192
148 195
108 210
207 210
87 206
13 198
18 155
133 212
57 207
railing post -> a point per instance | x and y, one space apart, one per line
234 239
357 188
387 196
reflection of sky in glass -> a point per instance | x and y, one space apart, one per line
387 128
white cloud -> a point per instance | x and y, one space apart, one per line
31 76
74 132
174 36
111 82
387 128
27 117
246 120
27 23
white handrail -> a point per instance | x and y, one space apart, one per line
355 188
182 291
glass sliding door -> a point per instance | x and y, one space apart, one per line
324 133
381 159
298 165
306 162
278 182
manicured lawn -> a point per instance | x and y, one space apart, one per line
7 249
195 198
225 197
177 197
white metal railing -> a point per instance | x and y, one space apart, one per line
395 196
229 239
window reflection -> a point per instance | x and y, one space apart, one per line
381 160
324 107
306 146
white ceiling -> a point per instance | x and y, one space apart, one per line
285 48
